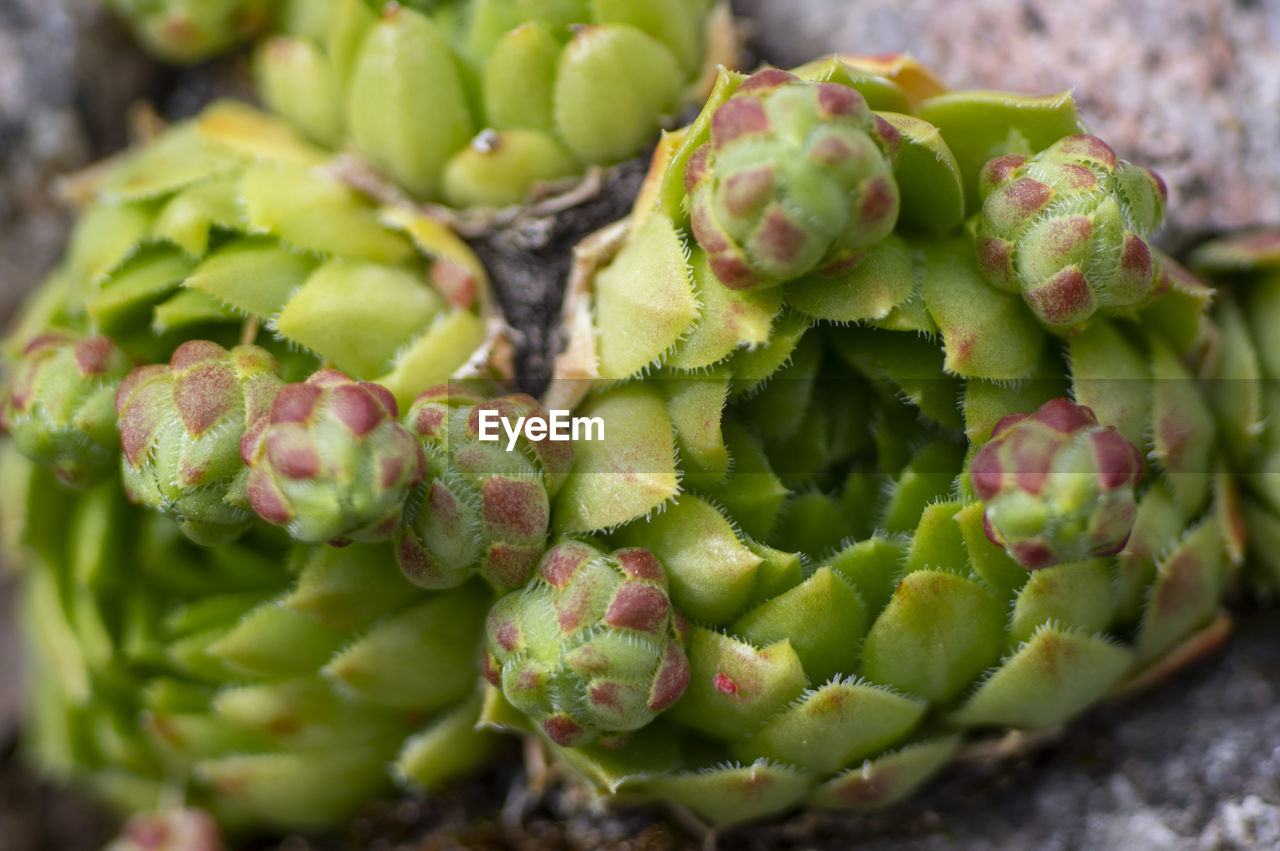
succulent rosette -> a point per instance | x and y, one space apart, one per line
591 648
1068 228
186 31
1244 384
478 103
182 424
846 477
1057 486
796 175
58 406
187 649
484 505
332 462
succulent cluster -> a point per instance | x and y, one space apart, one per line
1245 386
191 626
897 504
906 435
477 103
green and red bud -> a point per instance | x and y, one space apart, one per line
186 829
59 406
484 506
332 462
181 428
797 176
1058 487
186 31
1068 229
592 647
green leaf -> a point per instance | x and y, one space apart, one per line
734 793
298 82
358 315
881 281
254 275
832 726
1053 677
712 574
188 218
627 474
981 125
1077 596
519 78
421 659
406 110
883 781
986 333
728 319
644 299
734 687
1112 377
613 84
938 633
929 182
824 598
317 214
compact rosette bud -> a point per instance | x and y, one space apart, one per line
1068 228
333 463
1058 487
591 648
187 31
181 426
484 505
59 405
797 175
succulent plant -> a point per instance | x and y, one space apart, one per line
478 103
1243 385
58 404
181 426
229 228
840 474
1068 227
332 462
797 175
186 31
591 649
1057 486
484 504
193 652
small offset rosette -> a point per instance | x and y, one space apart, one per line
181 426
591 648
1068 229
485 504
1058 487
797 176
333 462
59 408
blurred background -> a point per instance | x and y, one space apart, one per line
1190 88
